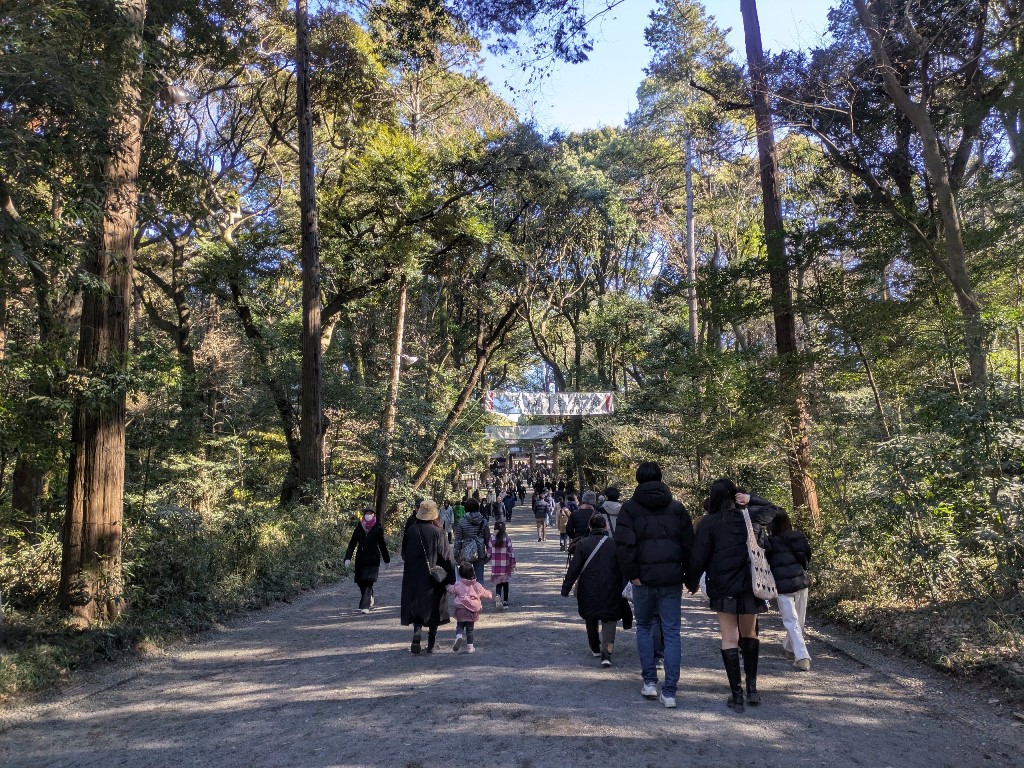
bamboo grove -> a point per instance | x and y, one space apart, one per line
258 264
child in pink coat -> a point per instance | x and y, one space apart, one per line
468 604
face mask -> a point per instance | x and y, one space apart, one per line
367 518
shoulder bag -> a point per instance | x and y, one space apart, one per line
437 573
761 579
576 585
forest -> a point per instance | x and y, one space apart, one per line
259 264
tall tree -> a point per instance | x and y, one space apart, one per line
797 442
90 583
311 414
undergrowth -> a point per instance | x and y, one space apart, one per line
183 572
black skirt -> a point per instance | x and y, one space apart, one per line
743 603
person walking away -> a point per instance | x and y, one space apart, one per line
789 553
563 520
509 502
370 548
595 566
653 542
471 537
447 514
469 595
611 506
424 601
541 509
503 564
720 553
579 518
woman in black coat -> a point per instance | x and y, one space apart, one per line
599 593
370 548
720 551
424 600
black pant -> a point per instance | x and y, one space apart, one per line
467 627
501 590
366 598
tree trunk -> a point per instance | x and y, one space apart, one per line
90 578
311 422
28 483
955 264
691 246
798 452
382 481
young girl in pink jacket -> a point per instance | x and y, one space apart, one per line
469 594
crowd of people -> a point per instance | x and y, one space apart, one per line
627 561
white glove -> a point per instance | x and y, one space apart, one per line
348 563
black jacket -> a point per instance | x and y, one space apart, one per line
425 601
579 522
369 547
720 550
788 555
654 537
599 594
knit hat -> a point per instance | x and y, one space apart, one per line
427 510
589 497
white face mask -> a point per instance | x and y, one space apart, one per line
368 518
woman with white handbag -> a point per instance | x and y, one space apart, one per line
725 549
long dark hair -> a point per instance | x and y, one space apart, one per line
499 534
723 496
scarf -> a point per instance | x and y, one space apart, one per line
368 524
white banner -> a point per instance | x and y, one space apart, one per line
531 432
558 404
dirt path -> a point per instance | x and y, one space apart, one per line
315 683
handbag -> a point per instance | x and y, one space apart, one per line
761 578
437 573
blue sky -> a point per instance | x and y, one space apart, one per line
602 91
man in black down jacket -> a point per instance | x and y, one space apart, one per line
579 520
653 540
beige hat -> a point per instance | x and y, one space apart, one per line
427 510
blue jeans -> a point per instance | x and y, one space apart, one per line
478 567
658 604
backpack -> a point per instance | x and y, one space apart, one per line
474 548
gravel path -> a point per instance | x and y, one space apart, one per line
316 683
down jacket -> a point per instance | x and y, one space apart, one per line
579 521
599 594
720 549
788 555
654 537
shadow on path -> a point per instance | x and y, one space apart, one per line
316 683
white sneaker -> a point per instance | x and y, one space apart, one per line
649 691
457 645
470 648
668 701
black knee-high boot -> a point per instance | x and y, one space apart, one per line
751 648
731 659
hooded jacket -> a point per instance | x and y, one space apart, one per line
611 511
788 555
654 537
